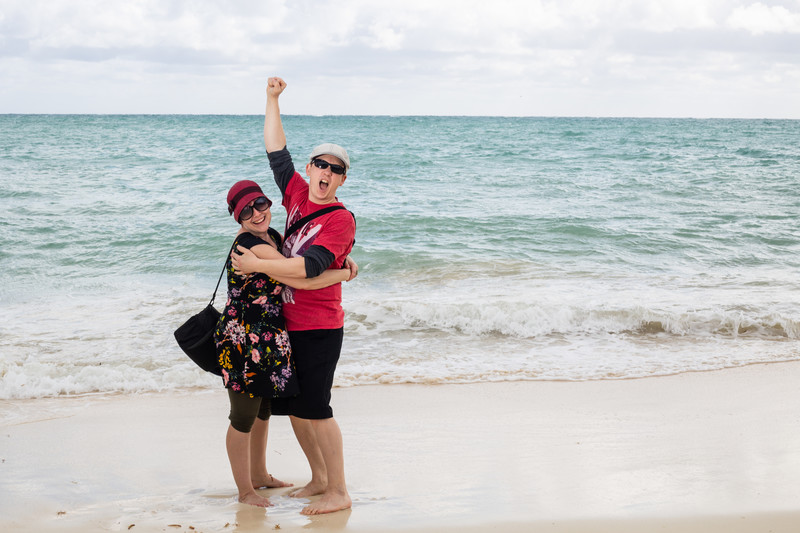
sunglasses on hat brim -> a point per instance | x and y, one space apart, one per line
259 204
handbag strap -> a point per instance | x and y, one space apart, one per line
224 268
302 222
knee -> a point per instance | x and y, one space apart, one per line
241 423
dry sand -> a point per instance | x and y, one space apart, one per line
699 452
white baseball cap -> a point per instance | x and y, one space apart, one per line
331 149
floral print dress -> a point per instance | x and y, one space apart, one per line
251 338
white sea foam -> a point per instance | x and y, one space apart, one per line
574 306
118 341
449 332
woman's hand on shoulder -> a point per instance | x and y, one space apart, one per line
244 261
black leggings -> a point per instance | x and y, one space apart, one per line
245 409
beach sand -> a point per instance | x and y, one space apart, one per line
697 452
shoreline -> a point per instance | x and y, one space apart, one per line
202 389
708 450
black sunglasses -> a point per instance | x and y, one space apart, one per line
260 204
322 165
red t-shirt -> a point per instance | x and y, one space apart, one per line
334 231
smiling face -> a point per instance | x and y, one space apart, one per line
258 224
322 183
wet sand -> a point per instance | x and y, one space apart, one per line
712 451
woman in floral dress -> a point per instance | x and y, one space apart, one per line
252 343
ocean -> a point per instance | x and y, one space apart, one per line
490 248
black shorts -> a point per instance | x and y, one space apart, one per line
245 410
315 353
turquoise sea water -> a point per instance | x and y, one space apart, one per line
489 248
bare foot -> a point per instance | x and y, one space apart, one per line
329 503
251 498
269 482
312 489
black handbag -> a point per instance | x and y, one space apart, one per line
196 335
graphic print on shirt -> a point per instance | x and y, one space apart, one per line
297 244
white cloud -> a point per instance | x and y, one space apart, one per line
462 56
120 28
385 37
759 19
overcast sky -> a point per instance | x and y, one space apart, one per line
657 58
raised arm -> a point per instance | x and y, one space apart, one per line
274 136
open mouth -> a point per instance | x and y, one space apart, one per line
323 185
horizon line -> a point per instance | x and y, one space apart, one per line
388 115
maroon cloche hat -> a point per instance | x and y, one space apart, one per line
242 193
